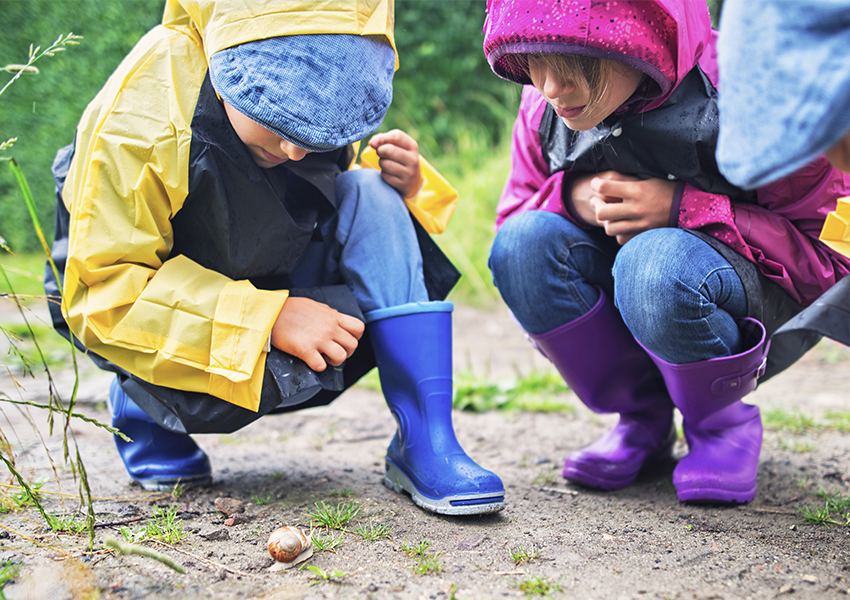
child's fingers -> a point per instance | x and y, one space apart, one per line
395 137
352 325
313 358
610 187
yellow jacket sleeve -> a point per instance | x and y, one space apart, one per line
434 204
170 322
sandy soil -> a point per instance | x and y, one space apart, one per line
636 543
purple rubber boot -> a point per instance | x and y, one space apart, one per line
604 365
724 434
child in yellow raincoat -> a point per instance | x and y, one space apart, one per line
221 256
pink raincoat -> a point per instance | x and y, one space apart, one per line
665 39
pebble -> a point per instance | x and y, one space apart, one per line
229 506
214 533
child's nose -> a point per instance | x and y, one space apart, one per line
292 151
553 86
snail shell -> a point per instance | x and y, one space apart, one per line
289 546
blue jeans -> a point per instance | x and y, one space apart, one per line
677 295
370 245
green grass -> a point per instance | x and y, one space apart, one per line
55 349
521 554
327 543
261 500
838 419
372 531
15 501
8 572
796 422
539 391
429 564
66 524
333 517
835 509
25 273
470 233
538 586
797 446
162 526
419 549
322 575
546 476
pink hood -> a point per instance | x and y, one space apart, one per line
662 38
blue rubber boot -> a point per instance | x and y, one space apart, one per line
157 458
413 349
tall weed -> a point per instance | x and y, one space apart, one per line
55 404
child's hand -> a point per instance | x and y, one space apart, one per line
399 161
626 206
316 333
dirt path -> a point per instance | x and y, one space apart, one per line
636 543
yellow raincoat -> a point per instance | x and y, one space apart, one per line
163 318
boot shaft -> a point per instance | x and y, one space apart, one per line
705 388
602 363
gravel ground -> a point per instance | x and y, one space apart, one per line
636 543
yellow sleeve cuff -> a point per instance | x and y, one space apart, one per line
241 328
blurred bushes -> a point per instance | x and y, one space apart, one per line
445 93
42 110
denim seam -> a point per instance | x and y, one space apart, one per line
563 257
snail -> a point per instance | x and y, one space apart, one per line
289 546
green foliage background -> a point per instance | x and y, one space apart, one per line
445 94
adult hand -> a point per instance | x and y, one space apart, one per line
399 161
316 333
626 206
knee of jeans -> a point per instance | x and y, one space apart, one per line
366 182
518 243
646 280
383 199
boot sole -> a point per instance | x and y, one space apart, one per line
715 496
466 504
168 485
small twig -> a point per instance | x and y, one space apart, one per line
151 498
557 491
517 572
774 512
29 539
94 422
79 554
206 561
143 551
116 523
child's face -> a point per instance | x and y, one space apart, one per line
571 99
267 148
839 155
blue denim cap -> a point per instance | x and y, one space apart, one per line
319 92
784 85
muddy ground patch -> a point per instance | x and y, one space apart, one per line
552 539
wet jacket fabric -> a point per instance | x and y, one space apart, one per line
177 246
770 235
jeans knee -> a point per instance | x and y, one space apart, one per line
515 233
647 280
363 194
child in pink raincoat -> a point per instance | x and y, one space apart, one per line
648 279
